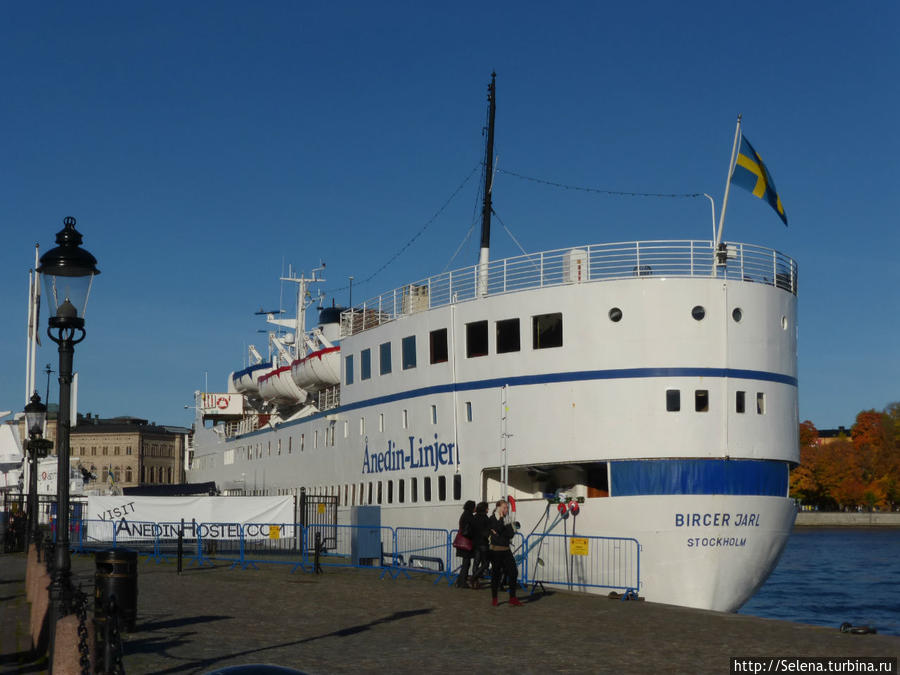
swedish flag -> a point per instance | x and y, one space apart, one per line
750 173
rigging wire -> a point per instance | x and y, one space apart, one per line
509 232
414 237
614 193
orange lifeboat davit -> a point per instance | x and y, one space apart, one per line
317 370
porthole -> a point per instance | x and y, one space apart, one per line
615 315
784 322
698 312
737 314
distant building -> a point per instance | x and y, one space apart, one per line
129 449
827 436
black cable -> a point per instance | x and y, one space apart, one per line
615 193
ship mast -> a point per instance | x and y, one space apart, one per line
484 255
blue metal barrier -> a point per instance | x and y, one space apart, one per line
423 549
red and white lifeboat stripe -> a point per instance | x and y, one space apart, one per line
318 370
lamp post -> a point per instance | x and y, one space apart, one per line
68 272
35 416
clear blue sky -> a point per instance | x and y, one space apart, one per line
204 146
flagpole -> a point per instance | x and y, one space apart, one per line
29 338
734 148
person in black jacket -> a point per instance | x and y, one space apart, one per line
466 529
481 544
503 561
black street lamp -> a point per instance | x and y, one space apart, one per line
68 272
38 448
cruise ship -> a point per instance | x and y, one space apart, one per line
653 381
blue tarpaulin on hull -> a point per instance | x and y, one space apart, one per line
768 478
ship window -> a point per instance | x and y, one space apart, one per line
302 442
380 421
442 488
384 358
468 411
438 345
370 494
379 492
476 339
279 446
346 428
698 313
362 426
457 487
508 336
701 400
408 349
365 364
362 494
740 404
390 492
760 403
329 435
353 494
400 491
404 419
434 414
737 314
673 400
348 369
316 438
615 315
426 488
346 495
547 331
290 444
414 490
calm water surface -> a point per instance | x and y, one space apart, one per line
827 576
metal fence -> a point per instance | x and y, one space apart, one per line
581 264
552 559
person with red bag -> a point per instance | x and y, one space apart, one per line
463 543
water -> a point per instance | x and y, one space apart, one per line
827 576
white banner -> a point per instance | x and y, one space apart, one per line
221 404
211 517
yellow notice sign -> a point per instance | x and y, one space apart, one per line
320 508
578 546
274 532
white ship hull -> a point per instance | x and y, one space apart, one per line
703 489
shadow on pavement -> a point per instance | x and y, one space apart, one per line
176 623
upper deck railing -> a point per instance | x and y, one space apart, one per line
580 264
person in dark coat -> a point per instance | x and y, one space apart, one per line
466 529
481 544
504 564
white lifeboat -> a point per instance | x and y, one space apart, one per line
246 381
278 387
318 369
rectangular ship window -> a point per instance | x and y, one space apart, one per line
426 488
547 331
408 349
390 492
380 421
365 364
362 426
404 419
673 400
476 339
413 490
384 358
346 428
457 487
740 401
348 369
760 403
438 345
379 492
401 483
434 414
468 411
442 488
508 339
701 400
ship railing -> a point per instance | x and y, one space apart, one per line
580 264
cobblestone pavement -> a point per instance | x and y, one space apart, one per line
350 621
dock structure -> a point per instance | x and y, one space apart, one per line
350 621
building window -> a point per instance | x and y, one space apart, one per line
365 364
408 349
413 490
380 421
348 369
116 451
547 331
760 403
476 339
168 473
673 400
701 400
740 401
404 419
128 474
442 488
93 451
468 411
384 358
457 487
438 345
105 450
426 488
508 339
434 414
127 449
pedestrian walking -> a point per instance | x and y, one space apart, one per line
463 543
